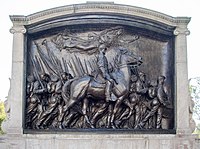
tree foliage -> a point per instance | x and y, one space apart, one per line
2 115
197 130
195 94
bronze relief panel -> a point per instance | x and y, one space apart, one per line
102 77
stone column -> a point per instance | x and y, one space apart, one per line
182 91
16 95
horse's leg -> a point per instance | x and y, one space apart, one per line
84 109
69 104
116 107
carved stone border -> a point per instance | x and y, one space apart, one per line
95 8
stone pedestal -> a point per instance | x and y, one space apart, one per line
98 141
58 17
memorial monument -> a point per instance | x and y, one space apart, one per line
99 75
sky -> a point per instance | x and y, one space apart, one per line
189 8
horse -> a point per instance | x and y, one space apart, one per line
87 87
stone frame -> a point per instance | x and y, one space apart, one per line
37 22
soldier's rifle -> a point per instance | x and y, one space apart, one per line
52 57
43 58
36 73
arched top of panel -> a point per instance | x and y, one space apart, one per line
92 13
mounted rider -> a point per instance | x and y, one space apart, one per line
102 63
106 39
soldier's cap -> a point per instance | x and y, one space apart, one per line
161 77
54 78
30 78
44 75
66 74
141 74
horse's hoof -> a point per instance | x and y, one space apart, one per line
138 127
60 127
92 126
107 126
118 122
37 126
113 126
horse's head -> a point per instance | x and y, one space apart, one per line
127 57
